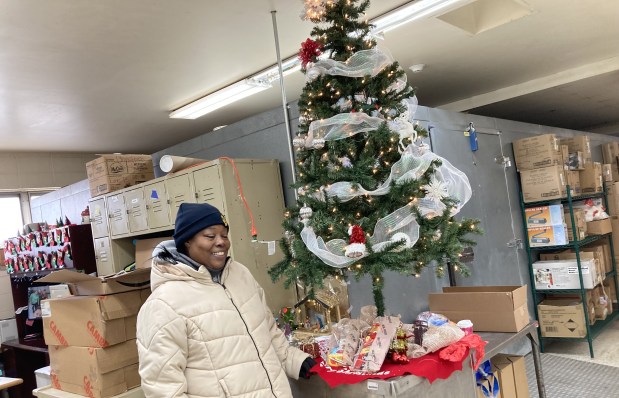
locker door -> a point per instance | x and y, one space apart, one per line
136 210
179 191
98 218
117 214
208 187
157 206
103 256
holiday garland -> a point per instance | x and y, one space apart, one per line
371 196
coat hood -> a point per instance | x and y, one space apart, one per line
170 265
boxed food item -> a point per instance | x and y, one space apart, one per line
109 173
543 184
537 151
599 227
610 151
613 198
581 224
562 318
563 274
591 180
552 235
490 308
542 216
579 143
590 254
104 371
607 172
575 161
87 285
572 178
111 165
91 321
375 345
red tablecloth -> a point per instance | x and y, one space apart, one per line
429 366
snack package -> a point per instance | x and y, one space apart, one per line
376 344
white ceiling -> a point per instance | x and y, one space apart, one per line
102 76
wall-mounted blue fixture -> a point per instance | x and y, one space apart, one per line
472 134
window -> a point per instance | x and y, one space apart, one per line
11 218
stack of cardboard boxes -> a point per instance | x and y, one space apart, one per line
511 374
610 152
110 173
91 335
547 164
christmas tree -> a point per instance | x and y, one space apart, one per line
371 196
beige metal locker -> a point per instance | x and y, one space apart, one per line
136 209
157 205
180 190
208 186
117 214
113 255
98 217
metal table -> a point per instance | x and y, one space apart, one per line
498 342
461 384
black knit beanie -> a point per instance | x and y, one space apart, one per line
193 218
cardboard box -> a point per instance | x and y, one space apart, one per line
592 254
579 143
87 285
581 224
104 370
613 198
572 178
601 251
610 151
91 321
607 172
543 184
575 161
537 151
599 227
563 274
113 165
50 392
144 250
490 308
591 180
552 235
512 375
562 318
106 184
108 385
542 216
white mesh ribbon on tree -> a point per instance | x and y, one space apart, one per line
414 162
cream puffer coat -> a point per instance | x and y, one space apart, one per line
199 338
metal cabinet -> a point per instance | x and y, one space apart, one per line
136 210
148 208
208 189
180 190
112 255
157 204
98 218
117 214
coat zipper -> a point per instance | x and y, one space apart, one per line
250 336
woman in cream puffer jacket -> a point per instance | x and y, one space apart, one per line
210 334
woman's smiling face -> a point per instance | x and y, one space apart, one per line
209 247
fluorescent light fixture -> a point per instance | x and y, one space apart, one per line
411 11
220 98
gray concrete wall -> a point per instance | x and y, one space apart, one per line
495 192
